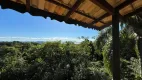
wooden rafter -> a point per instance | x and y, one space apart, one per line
134 12
64 6
59 4
132 7
28 5
100 18
124 4
104 5
103 16
38 12
74 8
125 16
106 25
18 0
40 7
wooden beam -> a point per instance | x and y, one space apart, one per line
106 25
8 4
134 12
125 16
18 0
104 5
100 18
41 4
74 8
28 2
124 4
132 7
116 45
59 4
64 6
108 8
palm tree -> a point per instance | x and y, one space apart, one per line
103 47
135 23
132 24
102 38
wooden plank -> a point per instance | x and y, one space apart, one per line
41 4
102 17
59 4
28 5
125 16
106 25
132 7
74 8
8 4
116 45
104 5
134 12
124 4
18 0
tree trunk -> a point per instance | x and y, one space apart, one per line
140 51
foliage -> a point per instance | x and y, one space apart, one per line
88 60
49 61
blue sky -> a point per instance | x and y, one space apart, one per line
17 26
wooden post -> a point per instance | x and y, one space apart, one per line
116 41
28 5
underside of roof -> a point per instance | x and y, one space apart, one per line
95 14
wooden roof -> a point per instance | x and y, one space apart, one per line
95 14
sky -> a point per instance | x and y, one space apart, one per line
15 26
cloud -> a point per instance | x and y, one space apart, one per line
40 39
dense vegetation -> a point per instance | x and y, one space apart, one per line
69 61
